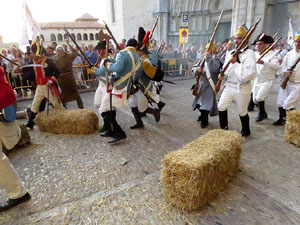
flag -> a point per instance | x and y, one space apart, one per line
31 29
290 39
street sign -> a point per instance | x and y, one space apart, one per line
185 18
183 35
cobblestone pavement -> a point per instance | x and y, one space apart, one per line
83 180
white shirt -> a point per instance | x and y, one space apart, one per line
288 61
270 67
245 71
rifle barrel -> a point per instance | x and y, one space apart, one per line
111 35
2 56
86 58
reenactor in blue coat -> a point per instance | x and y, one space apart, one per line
127 63
144 91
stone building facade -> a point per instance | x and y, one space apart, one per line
84 30
125 16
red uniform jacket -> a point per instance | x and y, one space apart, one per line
7 94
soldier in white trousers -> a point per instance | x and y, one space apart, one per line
10 134
266 67
239 74
290 95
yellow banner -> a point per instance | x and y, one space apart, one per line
183 35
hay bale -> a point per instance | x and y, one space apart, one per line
292 127
25 137
71 121
194 175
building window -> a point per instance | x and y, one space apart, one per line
96 36
79 37
42 37
91 36
73 36
113 16
85 36
59 37
52 37
65 36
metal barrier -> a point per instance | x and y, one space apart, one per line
84 78
174 66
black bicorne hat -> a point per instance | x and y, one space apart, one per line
131 42
264 38
100 45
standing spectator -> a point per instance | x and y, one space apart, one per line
77 71
122 44
154 44
14 81
54 44
178 53
191 58
91 54
50 50
17 73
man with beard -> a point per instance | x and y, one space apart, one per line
63 61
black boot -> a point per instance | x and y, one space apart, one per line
262 113
245 126
119 134
154 112
139 122
282 117
223 120
14 202
31 116
161 105
199 117
108 119
251 104
204 118
105 123
143 114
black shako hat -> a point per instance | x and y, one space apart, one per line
141 36
264 38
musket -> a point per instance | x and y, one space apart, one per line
77 46
195 90
2 56
109 87
153 28
167 81
268 49
152 31
286 79
275 35
239 48
47 103
112 36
